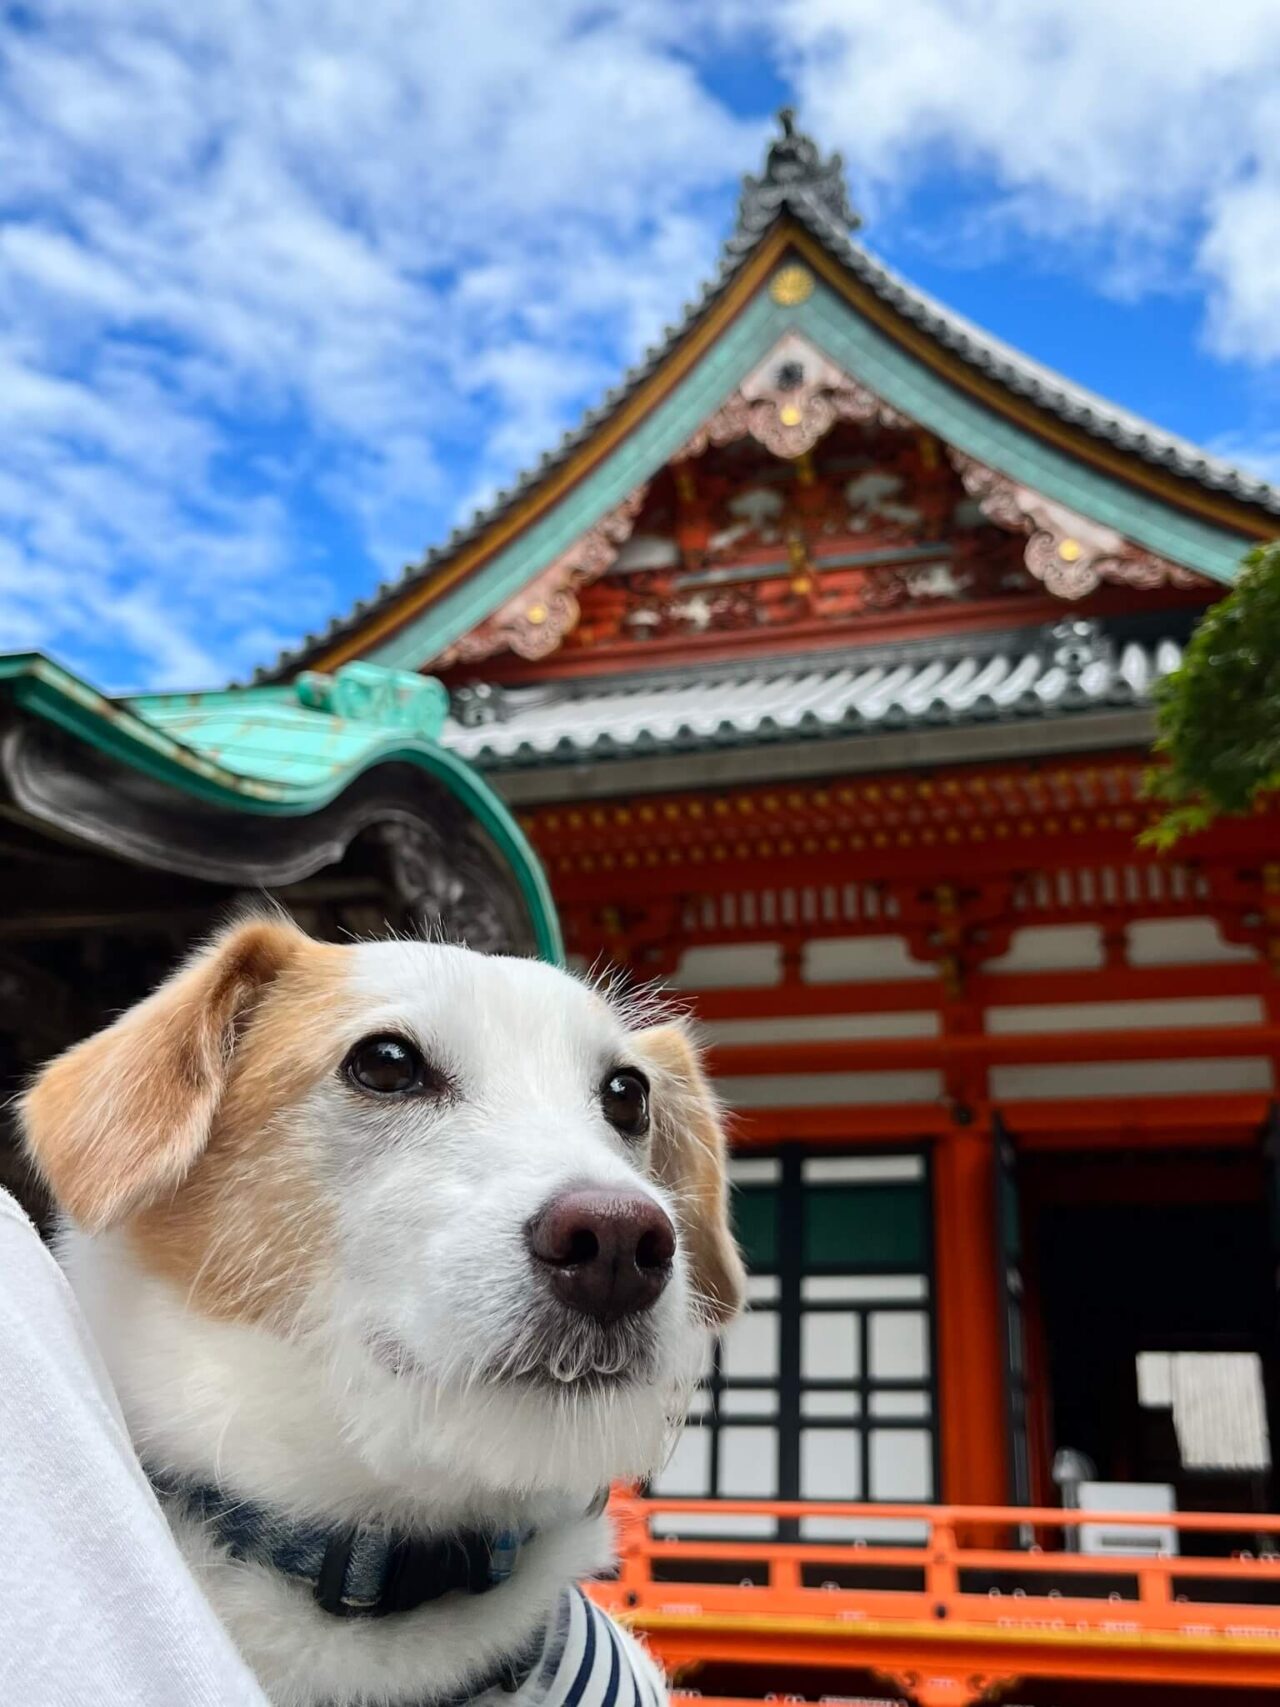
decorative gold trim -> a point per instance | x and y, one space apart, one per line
791 285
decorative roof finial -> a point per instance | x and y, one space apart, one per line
795 177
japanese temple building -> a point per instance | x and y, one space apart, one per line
816 666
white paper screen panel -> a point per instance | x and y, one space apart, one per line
749 1348
899 1345
830 1464
865 1170
901 1464
825 1389
752 1402
829 1346
688 1470
748 1462
863 1288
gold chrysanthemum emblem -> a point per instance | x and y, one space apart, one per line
791 285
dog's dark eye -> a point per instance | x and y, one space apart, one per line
386 1065
624 1097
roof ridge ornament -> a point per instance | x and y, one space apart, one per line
795 177
371 693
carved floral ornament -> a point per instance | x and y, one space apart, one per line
536 619
1070 554
790 401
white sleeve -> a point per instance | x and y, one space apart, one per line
96 1603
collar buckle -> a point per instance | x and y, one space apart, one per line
411 1572
331 1583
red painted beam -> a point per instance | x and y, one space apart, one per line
692 871
905 1054
997 989
1119 984
985 989
1228 1120
1158 1119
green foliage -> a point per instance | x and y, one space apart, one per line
1218 716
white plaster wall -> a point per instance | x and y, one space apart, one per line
750 964
1209 1012
1094 1079
1173 942
1051 948
817 1090
838 960
822 1028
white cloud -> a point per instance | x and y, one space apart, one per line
284 287
256 261
1150 126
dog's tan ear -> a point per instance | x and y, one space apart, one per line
120 1118
689 1158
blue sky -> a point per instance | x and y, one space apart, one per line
288 287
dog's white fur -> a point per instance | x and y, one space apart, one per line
324 1300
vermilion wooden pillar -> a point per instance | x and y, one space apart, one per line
969 1305
971 1376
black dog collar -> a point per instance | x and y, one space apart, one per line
354 1571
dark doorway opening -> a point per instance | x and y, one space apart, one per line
1155 1316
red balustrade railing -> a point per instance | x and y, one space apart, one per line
999 1586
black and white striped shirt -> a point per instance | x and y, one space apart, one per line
588 1662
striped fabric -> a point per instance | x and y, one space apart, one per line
588 1662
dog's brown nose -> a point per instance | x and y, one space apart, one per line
606 1253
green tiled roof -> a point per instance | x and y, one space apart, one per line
305 736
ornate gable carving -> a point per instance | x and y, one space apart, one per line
790 401
1070 554
536 619
805 501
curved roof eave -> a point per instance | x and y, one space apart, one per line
1041 385
47 691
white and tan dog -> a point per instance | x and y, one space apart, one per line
398 1256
